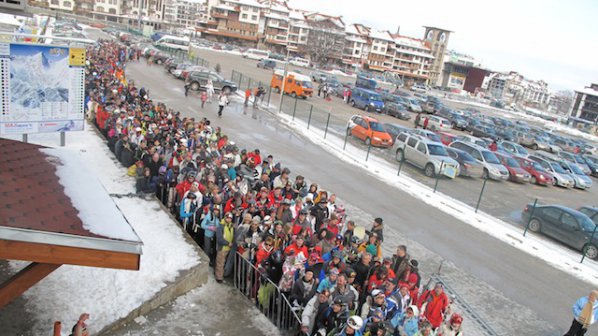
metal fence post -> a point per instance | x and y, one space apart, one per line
438 176
62 139
346 136
240 80
368 153
309 119
530 218
327 122
584 250
402 160
477 206
295 108
269 95
25 137
249 83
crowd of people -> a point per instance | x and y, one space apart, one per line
238 202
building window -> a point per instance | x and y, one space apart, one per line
375 48
66 4
244 16
356 52
55 2
254 17
254 9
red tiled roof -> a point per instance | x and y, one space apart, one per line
31 196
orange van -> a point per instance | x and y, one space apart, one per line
369 130
296 85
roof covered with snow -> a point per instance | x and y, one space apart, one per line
381 35
252 3
48 196
225 7
319 17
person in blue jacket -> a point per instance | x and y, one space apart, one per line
585 313
210 224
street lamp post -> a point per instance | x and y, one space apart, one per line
284 79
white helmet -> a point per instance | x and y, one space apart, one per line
355 322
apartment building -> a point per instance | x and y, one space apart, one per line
79 7
184 13
380 56
356 48
412 59
114 7
512 88
325 38
276 26
585 104
240 20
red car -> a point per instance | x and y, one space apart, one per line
446 138
539 175
516 173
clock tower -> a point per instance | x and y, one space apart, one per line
437 39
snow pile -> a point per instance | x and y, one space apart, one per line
107 294
555 255
96 209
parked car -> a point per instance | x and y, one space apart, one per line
447 138
538 174
267 63
277 57
590 211
396 110
565 144
482 131
560 176
198 80
516 172
514 148
430 156
582 181
369 130
367 100
300 62
592 162
419 88
535 142
472 139
468 166
493 169
566 225
435 123
319 76
577 159
457 121
256 54
427 134
395 129
413 105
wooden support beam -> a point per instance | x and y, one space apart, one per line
22 281
65 255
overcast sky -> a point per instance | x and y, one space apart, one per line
553 40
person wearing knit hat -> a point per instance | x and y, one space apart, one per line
585 313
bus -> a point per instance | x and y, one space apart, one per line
256 54
173 42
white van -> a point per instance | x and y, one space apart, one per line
301 62
256 54
173 42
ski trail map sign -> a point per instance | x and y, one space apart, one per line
42 88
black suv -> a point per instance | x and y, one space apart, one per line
198 79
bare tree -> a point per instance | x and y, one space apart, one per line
324 43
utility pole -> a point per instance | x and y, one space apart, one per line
140 16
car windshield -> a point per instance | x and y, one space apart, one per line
587 224
521 150
434 137
557 168
490 157
512 163
576 170
414 102
375 97
376 126
579 159
466 157
437 150
537 166
592 159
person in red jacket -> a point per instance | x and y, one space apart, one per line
255 155
434 303
264 250
185 185
298 246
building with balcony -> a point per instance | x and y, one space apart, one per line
235 20
585 104
412 59
356 48
184 13
276 22
325 38
513 88
380 55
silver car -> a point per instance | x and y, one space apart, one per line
468 166
430 156
577 159
493 169
560 176
582 181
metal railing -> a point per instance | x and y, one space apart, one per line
265 294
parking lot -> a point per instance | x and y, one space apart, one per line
504 200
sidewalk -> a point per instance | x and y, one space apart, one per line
212 309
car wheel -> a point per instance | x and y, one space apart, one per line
277 89
226 90
591 251
429 170
535 147
293 94
368 142
159 62
400 156
353 103
555 182
366 108
535 225
195 86
454 126
485 174
534 181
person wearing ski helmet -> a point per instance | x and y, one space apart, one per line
452 327
353 326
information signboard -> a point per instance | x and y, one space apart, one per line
42 88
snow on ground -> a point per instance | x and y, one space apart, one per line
555 255
104 293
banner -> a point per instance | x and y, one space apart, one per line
42 88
